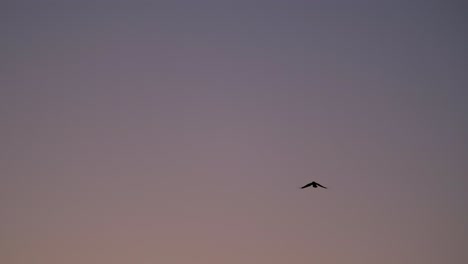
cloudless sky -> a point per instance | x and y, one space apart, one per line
180 132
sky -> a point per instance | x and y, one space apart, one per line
181 131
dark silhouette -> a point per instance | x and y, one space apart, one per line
313 184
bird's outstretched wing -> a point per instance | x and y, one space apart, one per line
321 185
307 185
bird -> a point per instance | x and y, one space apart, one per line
313 184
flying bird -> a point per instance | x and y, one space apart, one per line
313 184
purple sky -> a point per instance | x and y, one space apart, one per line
177 133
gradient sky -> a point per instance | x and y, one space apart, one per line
180 132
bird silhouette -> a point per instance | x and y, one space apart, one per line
313 184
